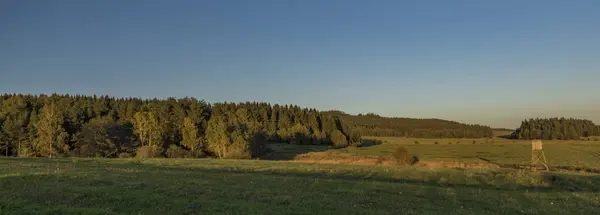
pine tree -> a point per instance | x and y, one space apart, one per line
300 135
573 133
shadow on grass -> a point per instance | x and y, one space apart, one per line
156 188
285 151
370 142
554 181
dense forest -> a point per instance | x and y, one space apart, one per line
556 128
102 126
92 126
375 125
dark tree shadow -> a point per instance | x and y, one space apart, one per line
556 181
286 151
506 136
276 148
370 142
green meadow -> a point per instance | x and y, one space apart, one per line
212 186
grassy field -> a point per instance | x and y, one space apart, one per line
560 154
500 151
208 186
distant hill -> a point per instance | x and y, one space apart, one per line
375 125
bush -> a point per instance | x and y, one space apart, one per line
338 139
449 143
147 152
87 150
596 139
178 152
198 153
403 157
474 142
416 142
436 142
125 155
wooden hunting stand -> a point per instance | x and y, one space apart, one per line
537 155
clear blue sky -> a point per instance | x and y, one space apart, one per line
490 62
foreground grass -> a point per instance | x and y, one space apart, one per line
206 186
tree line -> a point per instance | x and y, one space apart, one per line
102 126
556 129
374 125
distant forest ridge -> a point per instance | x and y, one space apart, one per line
556 129
374 125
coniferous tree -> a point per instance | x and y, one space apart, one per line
556 128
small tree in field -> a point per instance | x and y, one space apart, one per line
403 157
338 139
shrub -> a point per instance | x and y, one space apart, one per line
474 142
436 142
338 139
178 152
125 155
449 143
198 153
416 142
596 139
403 157
87 150
147 152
